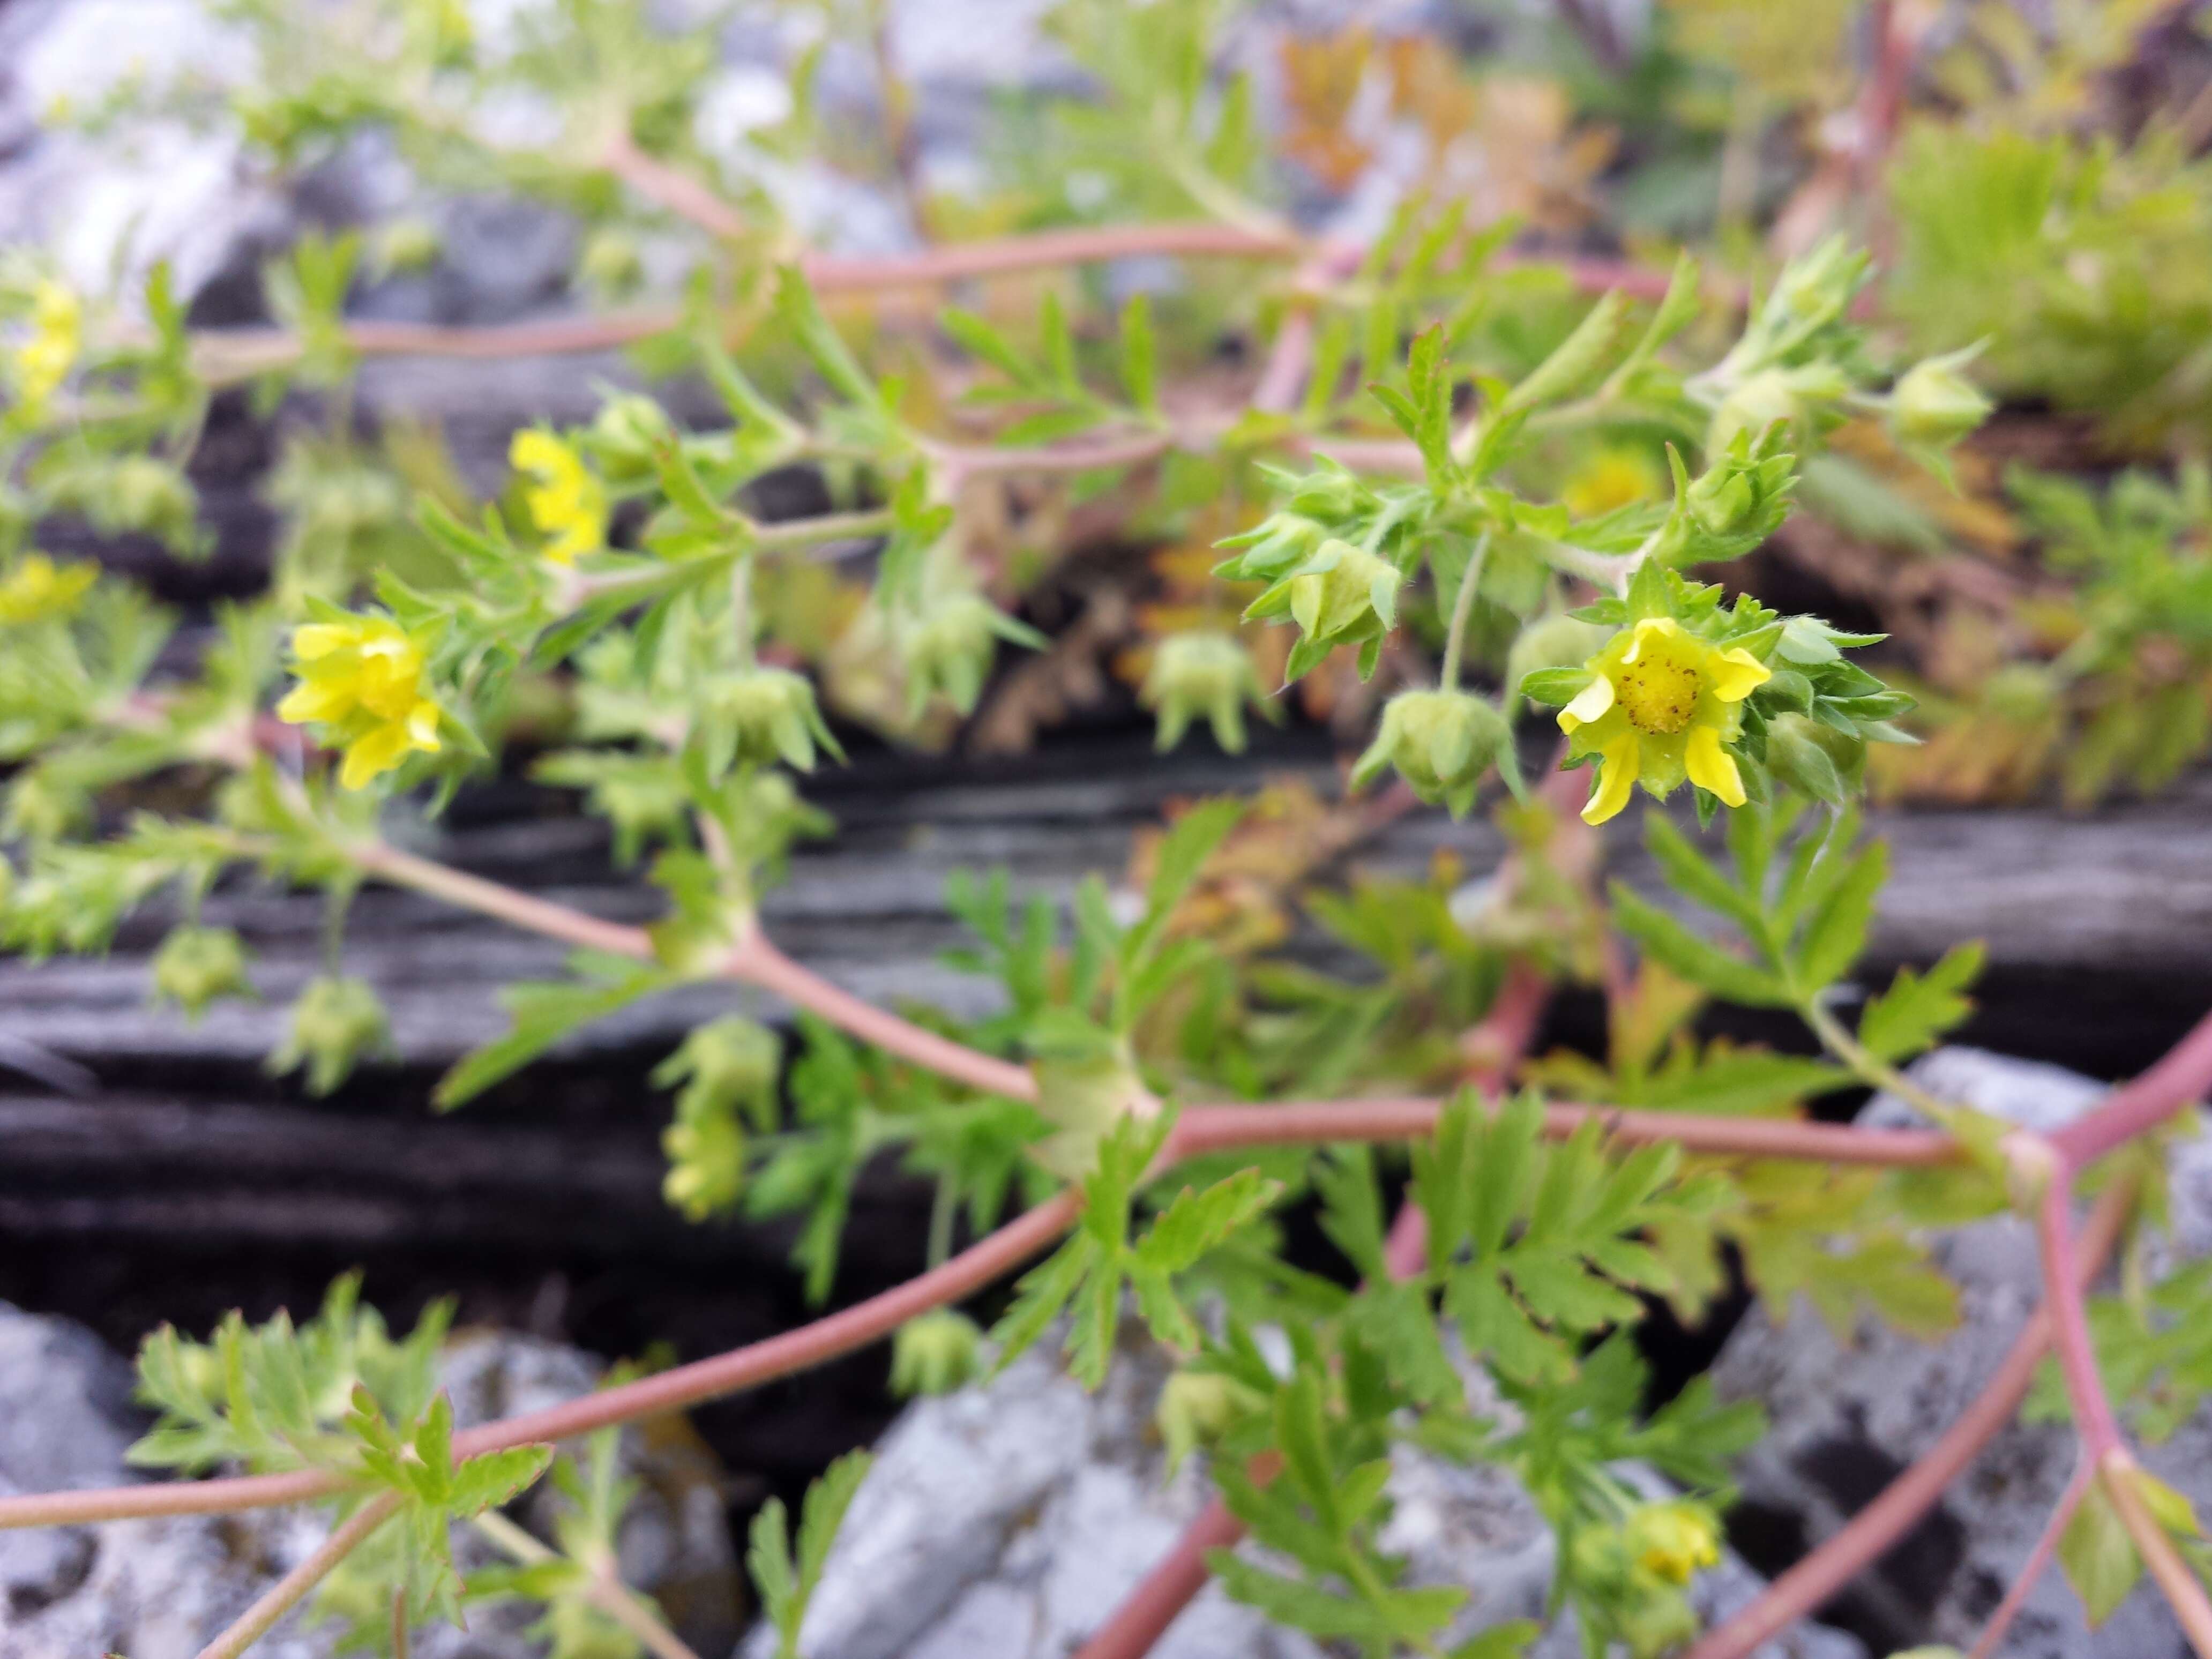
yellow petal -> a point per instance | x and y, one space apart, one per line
314 701
374 752
1664 628
312 640
1711 766
1591 702
422 726
1615 779
1735 674
534 451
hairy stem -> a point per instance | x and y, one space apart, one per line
2177 1082
503 903
682 193
2103 1446
1876 1529
1463 608
757 961
1214 1128
287 1592
1879 1073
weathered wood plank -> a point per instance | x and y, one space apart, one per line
2119 896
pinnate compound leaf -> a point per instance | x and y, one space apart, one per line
1698 960
1918 1009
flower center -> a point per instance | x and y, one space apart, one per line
1658 692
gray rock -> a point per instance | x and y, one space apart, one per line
1008 1521
160 1589
1848 1417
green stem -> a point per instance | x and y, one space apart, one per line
1870 1068
1463 608
942 1209
607 1594
823 527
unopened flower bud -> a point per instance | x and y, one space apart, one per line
1352 592
1755 404
335 1024
763 715
197 965
1197 1409
948 650
1933 405
706 1164
1202 673
731 1061
1288 538
1815 758
1672 1540
1557 640
626 433
1442 742
935 1353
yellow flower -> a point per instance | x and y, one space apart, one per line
567 501
364 678
44 360
1614 477
1662 706
38 588
1672 1541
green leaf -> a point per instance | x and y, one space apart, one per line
979 339
1560 1291
1140 366
1182 854
1038 1297
541 1014
1395 1320
2099 1557
1576 359
826 1500
1351 1211
802 317
1491 1322
1700 961
490 1481
1317 1612
1916 1009
1554 686
1198 1221
1837 932
1689 873
1510 1640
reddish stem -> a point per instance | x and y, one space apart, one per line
759 962
783 1355
2176 1082
2104 1448
1214 1128
1875 1530
683 194
2039 1559
1163 1594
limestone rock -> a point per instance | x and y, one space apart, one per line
160 1589
1009 1520
1847 1417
